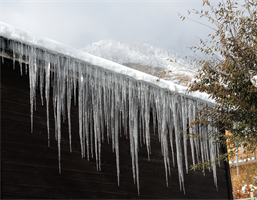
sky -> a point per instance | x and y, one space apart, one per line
78 23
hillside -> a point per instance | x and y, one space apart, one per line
144 57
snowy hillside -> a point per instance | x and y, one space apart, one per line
144 57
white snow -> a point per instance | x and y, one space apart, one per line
142 54
254 80
111 96
228 35
252 188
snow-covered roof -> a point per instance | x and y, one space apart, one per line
25 37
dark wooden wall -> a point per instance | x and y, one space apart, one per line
29 168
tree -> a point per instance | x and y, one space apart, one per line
226 74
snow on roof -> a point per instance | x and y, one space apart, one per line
28 38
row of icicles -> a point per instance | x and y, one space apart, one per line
112 101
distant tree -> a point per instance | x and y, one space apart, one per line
227 74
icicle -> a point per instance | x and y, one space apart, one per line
26 58
59 108
195 131
213 157
69 93
217 144
191 118
158 112
100 104
164 135
140 126
64 74
177 118
125 105
86 120
33 81
133 124
3 49
201 138
95 115
13 53
153 106
75 79
20 52
147 120
184 119
171 126
90 109
41 78
54 84
106 104
112 111
116 133
81 108
47 91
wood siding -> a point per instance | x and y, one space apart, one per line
30 168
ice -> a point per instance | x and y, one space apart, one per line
112 100
184 118
47 90
177 119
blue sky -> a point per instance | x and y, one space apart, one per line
78 23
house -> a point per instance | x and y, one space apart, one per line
242 159
77 126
